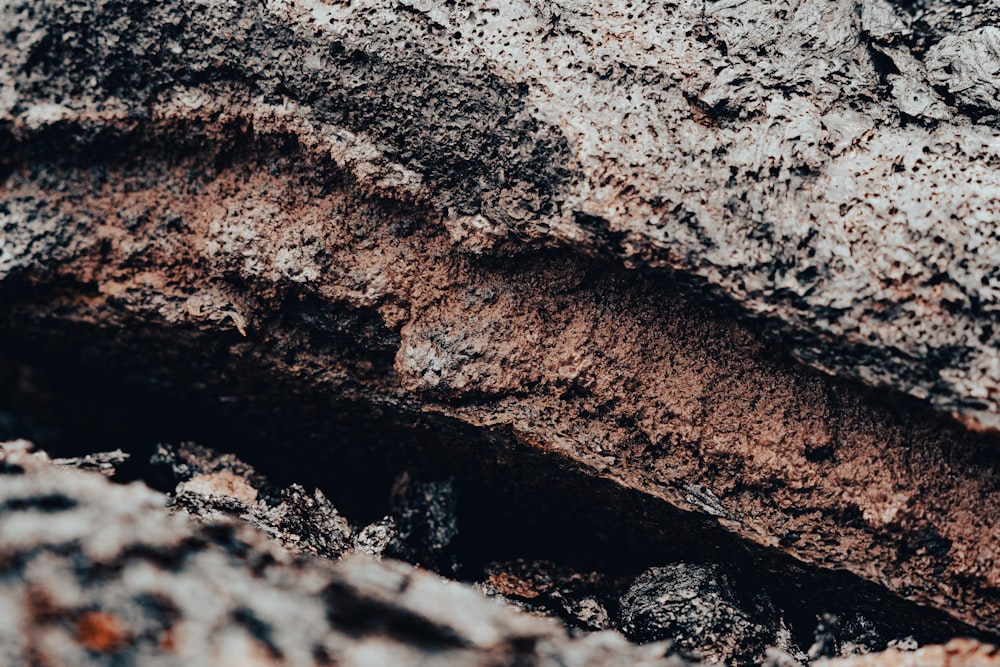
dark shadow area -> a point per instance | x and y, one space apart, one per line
513 501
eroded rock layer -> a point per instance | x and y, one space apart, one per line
372 203
178 258
99 574
830 165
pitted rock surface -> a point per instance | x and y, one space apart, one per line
829 165
99 574
299 190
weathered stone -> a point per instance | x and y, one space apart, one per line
105 463
287 194
215 487
957 653
695 607
425 523
98 574
580 599
753 144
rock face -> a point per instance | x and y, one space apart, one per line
955 653
692 606
212 487
99 574
829 165
399 204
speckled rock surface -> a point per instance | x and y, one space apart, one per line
831 165
211 487
390 203
696 609
99 574
958 653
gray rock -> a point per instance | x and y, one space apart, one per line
216 487
756 145
105 463
425 522
695 607
98 574
968 65
271 185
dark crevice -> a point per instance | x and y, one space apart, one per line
513 502
74 392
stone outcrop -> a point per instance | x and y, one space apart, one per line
101 574
953 654
545 225
829 165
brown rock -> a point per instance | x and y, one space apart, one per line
101 632
957 653
392 206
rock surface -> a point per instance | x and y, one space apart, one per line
99 574
694 607
953 654
831 165
211 487
372 202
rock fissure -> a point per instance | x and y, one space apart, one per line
575 239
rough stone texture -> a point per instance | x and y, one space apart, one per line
955 653
621 378
293 189
98 574
694 607
580 599
830 165
105 463
212 487
424 517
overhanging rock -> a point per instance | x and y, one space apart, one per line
832 166
375 201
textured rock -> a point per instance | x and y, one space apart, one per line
281 199
425 521
97 574
617 378
692 607
829 165
958 653
103 462
580 599
213 487
696 608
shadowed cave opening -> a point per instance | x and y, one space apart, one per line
512 502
